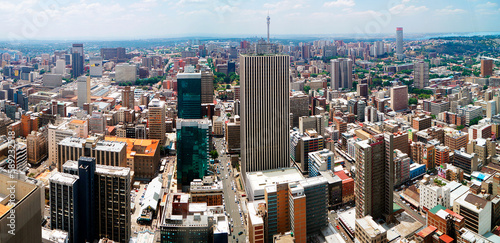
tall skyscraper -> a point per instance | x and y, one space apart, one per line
156 120
189 95
192 150
399 42
128 98
375 177
264 112
207 87
421 74
101 199
486 67
341 74
83 86
77 60
399 98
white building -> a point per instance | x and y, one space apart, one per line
95 66
56 135
476 211
52 80
83 86
432 194
125 73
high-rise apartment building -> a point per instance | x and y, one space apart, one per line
189 95
341 74
399 98
83 86
156 120
264 112
375 176
399 42
421 74
486 67
192 150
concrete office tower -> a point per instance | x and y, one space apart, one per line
60 67
125 73
95 66
399 42
192 150
189 95
421 74
77 60
128 98
56 134
491 108
399 98
52 80
24 206
486 67
265 110
299 106
63 201
341 74
374 191
207 87
156 120
83 86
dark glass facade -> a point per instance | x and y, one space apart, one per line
189 96
192 151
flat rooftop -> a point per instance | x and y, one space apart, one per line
63 178
370 226
257 181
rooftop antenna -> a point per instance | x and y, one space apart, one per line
268 23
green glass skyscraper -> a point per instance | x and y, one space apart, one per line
189 95
192 150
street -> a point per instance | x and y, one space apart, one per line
230 195
408 209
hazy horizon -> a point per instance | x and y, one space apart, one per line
152 19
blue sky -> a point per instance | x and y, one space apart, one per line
137 19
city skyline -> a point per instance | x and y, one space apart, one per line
111 20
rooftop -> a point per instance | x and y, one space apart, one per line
370 226
144 147
63 178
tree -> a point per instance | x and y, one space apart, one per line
412 101
214 154
306 89
460 127
433 116
475 121
485 87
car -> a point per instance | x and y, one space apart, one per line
241 232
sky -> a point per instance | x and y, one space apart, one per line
143 19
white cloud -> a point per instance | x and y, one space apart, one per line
487 8
340 3
450 10
407 10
